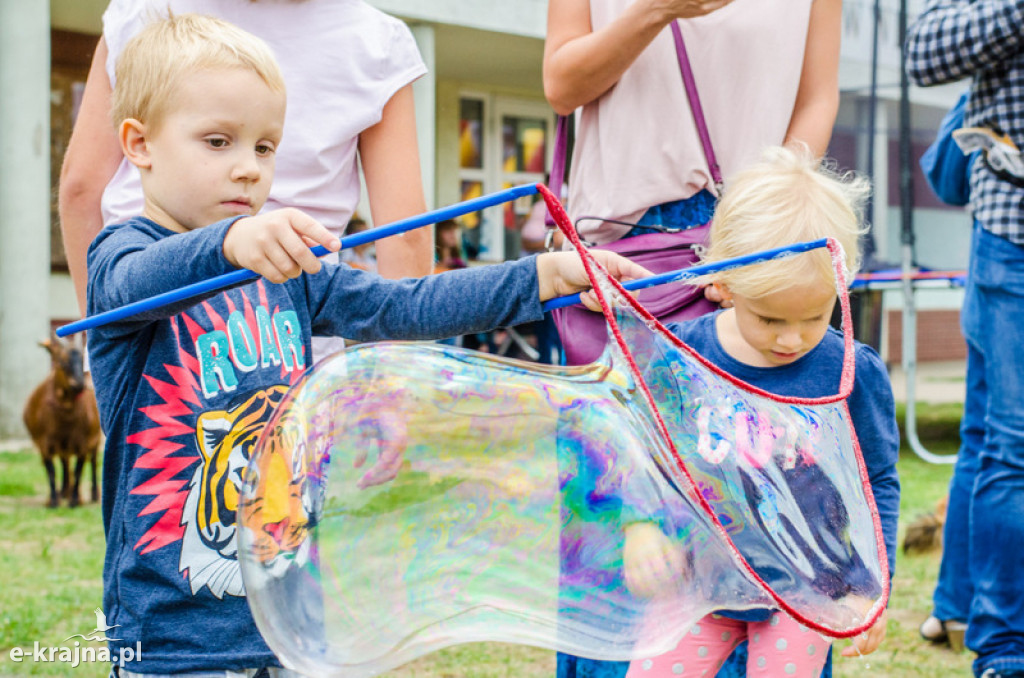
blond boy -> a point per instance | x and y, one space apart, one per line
184 390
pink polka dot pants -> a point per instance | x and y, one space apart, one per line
779 647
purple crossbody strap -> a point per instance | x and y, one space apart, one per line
698 111
562 128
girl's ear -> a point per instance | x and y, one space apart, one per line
723 291
132 135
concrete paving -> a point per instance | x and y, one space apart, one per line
936 382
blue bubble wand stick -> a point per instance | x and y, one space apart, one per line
348 242
403 225
694 271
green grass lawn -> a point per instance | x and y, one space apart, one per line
52 563
52 560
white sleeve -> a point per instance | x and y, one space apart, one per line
121 21
398 60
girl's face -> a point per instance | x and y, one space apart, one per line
776 329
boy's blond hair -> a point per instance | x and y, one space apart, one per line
787 197
169 49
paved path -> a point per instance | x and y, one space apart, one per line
937 382
14 445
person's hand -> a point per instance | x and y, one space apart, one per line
277 244
562 273
651 562
868 642
687 9
392 439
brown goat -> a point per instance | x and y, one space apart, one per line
62 418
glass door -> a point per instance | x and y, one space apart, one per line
472 171
503 142
525 136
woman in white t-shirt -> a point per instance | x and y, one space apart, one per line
349 70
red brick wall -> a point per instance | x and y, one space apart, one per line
938 336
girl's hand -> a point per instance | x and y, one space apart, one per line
276 244
868 642
651 562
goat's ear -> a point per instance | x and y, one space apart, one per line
52 344
52 347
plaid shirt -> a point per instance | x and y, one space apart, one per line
983 40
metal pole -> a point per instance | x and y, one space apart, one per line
868 245
907 259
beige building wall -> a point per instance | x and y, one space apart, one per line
24 204
485 48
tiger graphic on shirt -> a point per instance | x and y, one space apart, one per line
226 440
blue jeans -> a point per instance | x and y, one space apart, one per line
954 590
678 214
991 320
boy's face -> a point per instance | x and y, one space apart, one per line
779 328
211 156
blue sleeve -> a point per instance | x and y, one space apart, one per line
955 39
128 264
365 307
874 418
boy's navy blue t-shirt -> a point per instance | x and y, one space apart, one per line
183 394
817 375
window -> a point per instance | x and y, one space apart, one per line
503 142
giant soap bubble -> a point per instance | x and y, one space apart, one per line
407 497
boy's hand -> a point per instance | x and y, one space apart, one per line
562 273
276 244
651 562
868 642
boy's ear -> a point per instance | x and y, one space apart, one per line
132 135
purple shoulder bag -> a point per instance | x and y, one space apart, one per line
583 332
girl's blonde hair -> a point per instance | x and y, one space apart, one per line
787 197
155 61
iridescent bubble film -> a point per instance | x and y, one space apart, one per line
407 497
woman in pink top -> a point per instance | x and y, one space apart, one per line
766 71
